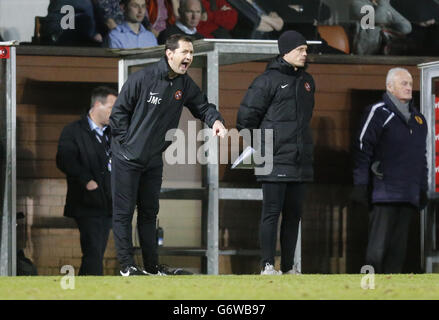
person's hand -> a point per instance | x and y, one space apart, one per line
91 185
296 7
111 24
274 20
155 32
98 37
427 23
359 195
219 129
204 16
423 200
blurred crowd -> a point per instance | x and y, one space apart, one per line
388 27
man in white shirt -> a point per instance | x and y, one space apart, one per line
190 15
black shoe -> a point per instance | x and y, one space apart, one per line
132 271
164 269
181 272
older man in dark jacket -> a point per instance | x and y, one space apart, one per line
84 156
390 171
282 99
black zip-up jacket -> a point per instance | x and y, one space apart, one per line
149 105
282 99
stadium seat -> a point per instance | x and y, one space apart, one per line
336 37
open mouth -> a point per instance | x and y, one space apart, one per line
185 65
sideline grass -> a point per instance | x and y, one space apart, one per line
222 287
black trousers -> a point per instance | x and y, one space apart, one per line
288 198
136 185
93 233
388 233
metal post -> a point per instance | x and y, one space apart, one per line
8 239
429 71
298 251
212 78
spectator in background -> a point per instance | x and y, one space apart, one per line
217 20
390 27
424 17
190 15
254 22
84 156
160 14
110 15
84 32
109 12
131 33
302 16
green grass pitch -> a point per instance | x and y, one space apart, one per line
222 287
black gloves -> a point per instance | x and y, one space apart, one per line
360 195
423 200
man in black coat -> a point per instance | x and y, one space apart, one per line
190 15
282 99
149 105
84 156
84 31
424 17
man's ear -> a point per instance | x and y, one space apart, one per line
389 87
168 53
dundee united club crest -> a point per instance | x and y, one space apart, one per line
178 95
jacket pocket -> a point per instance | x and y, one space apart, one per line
285 136
93 198
306 155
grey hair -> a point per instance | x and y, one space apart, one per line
391 74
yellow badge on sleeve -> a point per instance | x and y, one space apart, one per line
419 119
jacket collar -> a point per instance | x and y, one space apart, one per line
395 110
164 68
284 67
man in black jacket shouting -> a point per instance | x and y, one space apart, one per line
149 105
282 99
84 156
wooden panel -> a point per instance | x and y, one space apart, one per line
70 69
52 92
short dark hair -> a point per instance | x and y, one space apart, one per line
172 41
100 94
183 5
124 2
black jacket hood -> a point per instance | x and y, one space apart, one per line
284 67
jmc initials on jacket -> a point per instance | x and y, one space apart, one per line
282 99
149 105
